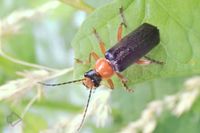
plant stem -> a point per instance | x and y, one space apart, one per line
4 55
79 4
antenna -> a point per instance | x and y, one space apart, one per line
86 108
58 84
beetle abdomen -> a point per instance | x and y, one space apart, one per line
133 46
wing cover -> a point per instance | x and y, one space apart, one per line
133 46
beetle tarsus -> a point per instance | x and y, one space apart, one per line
127 89
124 81
101 43
153 60
88 62
123 23
121 10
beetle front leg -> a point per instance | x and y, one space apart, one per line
91 55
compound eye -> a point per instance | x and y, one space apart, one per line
88 83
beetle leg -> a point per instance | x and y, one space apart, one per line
124 81
91 55
119 32
110 83
121 10
94 55
148 60
123 23
143 62
101 43
154 61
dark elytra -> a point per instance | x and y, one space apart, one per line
133 46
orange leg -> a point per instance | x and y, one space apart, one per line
143 62
124 81
119 33
101 43
123 23
110 83
94 55
91 55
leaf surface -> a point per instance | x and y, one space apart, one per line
178 22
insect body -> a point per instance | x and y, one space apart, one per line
126 52
129 49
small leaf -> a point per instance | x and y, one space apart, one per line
179 27
13 119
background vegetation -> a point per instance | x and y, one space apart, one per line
35 47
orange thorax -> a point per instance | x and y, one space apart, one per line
104 68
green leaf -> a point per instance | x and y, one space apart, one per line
178 22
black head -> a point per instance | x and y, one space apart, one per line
92 79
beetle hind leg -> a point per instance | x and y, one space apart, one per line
153 60
147 60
